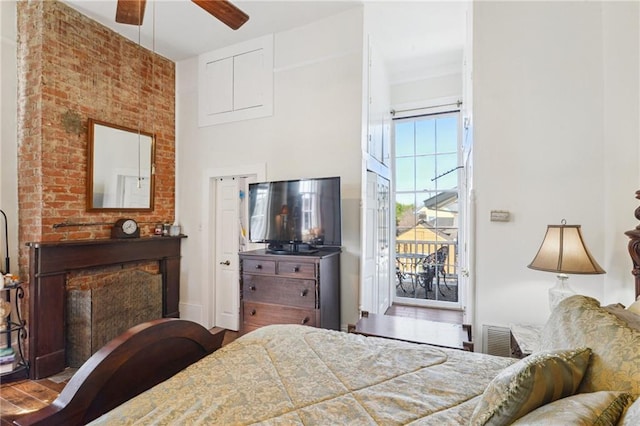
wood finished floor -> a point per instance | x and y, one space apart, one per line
442 315
25 396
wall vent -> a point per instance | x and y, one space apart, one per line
496 340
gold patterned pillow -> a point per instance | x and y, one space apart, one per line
580 321
534 381
595 408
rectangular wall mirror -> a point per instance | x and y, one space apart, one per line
120 168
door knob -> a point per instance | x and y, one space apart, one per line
226 262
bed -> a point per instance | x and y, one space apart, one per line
171 371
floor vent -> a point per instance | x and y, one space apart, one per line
496 340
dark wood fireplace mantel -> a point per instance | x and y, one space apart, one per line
49 263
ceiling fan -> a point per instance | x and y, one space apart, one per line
132 12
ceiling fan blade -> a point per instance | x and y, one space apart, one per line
224 11
130 11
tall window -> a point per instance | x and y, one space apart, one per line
427 173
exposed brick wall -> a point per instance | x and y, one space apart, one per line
70 69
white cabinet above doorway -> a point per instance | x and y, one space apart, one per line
236 82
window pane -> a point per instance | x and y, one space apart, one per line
408 199
447 134
405 174
442 204
425 171
425 137
446 163
404 139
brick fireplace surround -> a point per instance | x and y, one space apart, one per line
70 69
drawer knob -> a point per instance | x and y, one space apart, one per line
252 287
304 292
305 320
258 266
253 312
296 269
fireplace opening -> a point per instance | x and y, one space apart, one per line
103 306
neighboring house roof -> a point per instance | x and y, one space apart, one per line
445 200
423 232
442 222
436 220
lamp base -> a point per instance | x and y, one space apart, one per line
560 291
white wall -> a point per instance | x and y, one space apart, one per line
621 77
419 92
314 131
556 98
8 132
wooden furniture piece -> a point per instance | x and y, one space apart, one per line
290 289
49 263
525 339
133 362
447 335
634 248
14 326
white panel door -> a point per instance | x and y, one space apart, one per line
369 288
375 290
219 75
227 289
375 294
248 85
383 243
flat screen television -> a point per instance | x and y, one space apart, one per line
295 216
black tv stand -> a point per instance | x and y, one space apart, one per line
291 248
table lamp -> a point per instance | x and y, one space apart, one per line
563 251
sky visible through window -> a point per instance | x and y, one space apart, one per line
425 148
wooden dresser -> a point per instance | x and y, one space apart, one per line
290 289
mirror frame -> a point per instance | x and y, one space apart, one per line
91 148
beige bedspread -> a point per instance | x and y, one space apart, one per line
288 374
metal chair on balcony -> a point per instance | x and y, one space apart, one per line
408 268
433 266
401 277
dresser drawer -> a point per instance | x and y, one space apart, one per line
257 266
297 269
264 314
282 291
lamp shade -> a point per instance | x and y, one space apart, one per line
563 250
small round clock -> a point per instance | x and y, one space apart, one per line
125 228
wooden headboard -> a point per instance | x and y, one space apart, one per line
634 248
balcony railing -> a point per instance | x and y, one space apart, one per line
428 247
427 270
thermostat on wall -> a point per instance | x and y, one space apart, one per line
500 216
